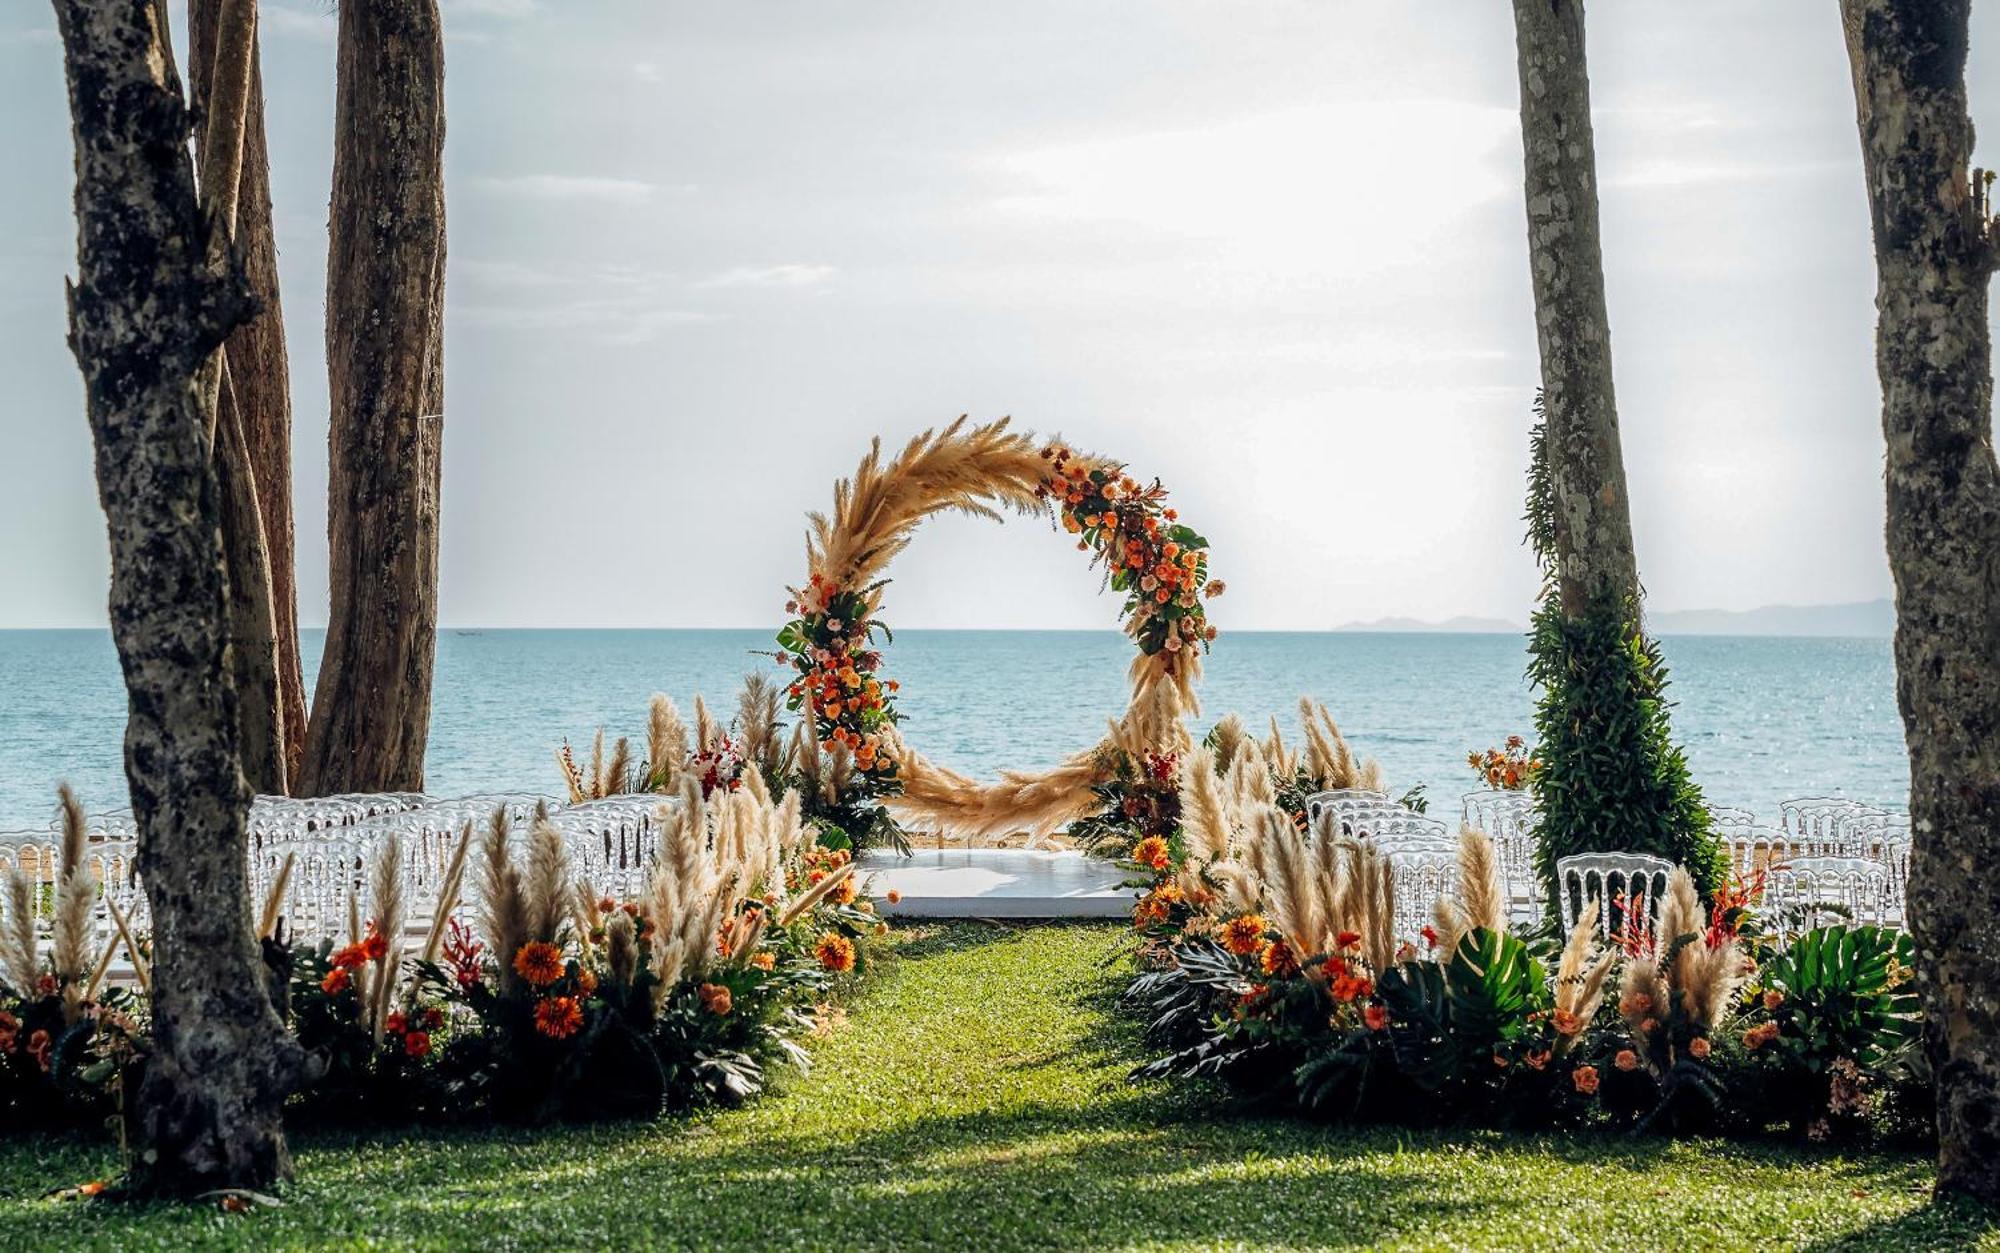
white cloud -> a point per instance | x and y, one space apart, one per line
771 276
566 187
1296 188
648 72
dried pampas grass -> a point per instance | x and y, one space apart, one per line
18 959
76 895
1580 975
503 905
666 744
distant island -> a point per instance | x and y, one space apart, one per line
1873 618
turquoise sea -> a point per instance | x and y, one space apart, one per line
1762 718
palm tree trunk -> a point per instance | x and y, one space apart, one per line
258 400
385 363
1593 520
1936 247
147 314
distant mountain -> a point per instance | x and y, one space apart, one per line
1863 618
1450 626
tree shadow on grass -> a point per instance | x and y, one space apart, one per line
1949 1222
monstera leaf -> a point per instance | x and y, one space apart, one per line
1844 985
1494 983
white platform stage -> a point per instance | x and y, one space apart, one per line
998 883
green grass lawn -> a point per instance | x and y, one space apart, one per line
976 1098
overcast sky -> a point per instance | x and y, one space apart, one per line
1273 254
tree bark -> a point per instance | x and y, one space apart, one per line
1593 520
257 400
1936 247
146 313
385 362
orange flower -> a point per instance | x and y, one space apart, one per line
894 897
539 963
376 945
350 956
559 1017
835 952
1760 1035
1567 1023
1377 1017
1626 1060
1278 960
1347 939
1152 852
1699 1047
716 999
845 891
1243 935
586 982
1585 1079
336 981
764 959
1773 998
1536 1058
1352 987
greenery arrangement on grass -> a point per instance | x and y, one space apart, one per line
1610 777
977 1097
1271 959
555 1003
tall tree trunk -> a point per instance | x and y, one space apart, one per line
1936 247
257 400
147 312
1592 516
385 362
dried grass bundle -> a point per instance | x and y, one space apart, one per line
666 744
76 895
503 905
1580 975
1206 821
617 777
706 730
877 511
545 885
386 890
757 722
1227 737
19 962
1366 902
621 948
449 894
274 900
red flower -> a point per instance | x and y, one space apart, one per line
1347 939
1376 1017
39 1047
336 981
559 1017
396 1024
1430 935
417 1044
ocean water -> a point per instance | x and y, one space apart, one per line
1762 718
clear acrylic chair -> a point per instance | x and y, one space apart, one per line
1623 883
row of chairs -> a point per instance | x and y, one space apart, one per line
1827 857
333 844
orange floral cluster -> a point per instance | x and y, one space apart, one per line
829 644
414 1030
1161 566
373 946
1510 769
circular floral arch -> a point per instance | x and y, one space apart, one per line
834 643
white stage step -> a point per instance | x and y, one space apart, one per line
998 883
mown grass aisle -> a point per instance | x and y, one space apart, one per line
977 1099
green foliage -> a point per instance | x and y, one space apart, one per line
976 1099
1612 779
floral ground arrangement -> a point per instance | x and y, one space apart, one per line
1275 956
978 1097
545 1000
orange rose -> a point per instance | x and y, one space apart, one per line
1585 1079
716 999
